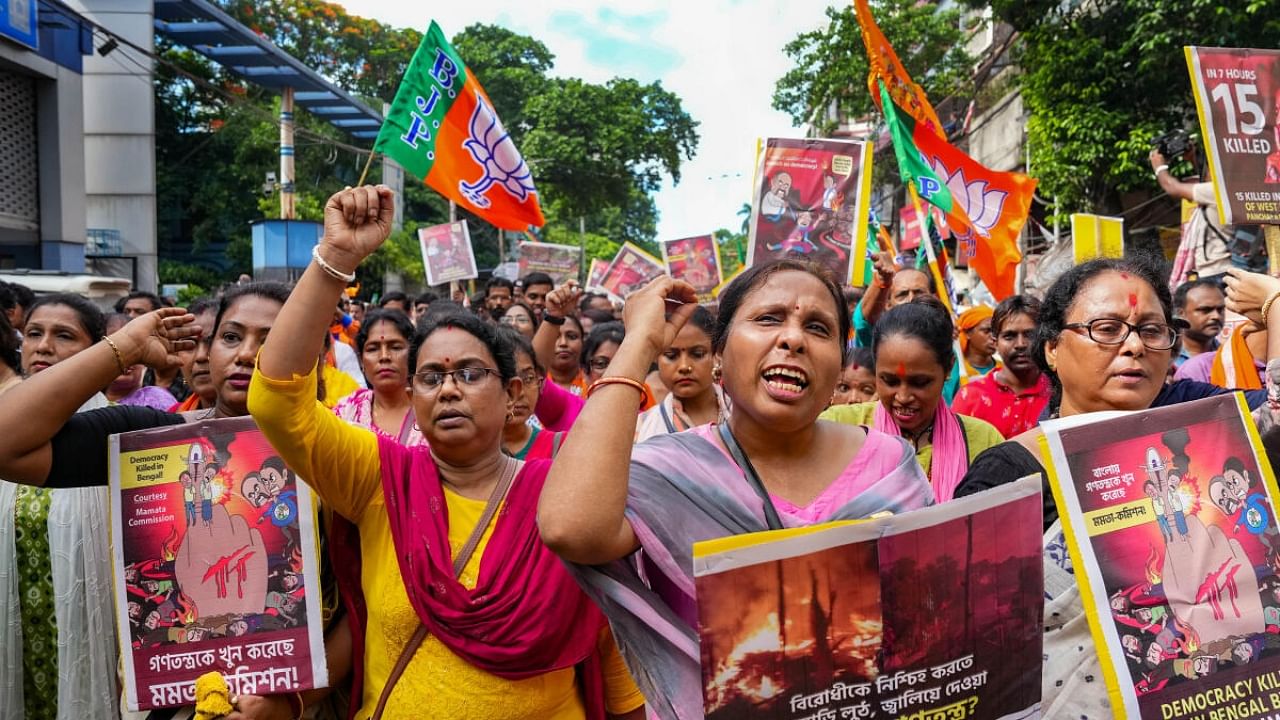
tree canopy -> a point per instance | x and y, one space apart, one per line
830 64
598 151
1100 80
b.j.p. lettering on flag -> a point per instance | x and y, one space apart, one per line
442 127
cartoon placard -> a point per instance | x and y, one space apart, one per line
1168 517
446 253
811 201
931 615
631 269
695 260
558 261
215 562
596 274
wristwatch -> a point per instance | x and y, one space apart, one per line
553 319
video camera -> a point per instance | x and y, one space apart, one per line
1173 144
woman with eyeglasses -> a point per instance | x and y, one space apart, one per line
467 608
384 407
520 318
1105 339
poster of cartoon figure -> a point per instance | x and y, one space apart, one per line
631 269
695 260
931 614
1168 517
811 201
558 261
216 564
446 253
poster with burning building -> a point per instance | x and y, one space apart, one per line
1168 516
930 615
216 564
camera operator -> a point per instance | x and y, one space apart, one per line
1205 245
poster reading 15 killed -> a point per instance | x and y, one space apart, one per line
811 200
930 615
1238 98
1168 517
215 564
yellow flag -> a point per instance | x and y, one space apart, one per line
1095 236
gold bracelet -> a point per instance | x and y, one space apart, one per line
615 380
1266 306
116 349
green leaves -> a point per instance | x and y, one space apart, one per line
830 65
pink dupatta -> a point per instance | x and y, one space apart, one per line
950 453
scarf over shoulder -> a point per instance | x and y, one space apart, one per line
684 489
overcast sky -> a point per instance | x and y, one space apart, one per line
722 57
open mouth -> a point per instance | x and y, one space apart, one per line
905 414
786 379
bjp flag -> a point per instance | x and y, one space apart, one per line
984 208
442 128
887 68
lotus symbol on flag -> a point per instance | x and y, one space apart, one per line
495 152
982 206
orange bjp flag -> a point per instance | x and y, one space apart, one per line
443 128
885 66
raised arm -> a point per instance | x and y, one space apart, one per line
559 303
873 301
581 510
36 409
1168 183
339 460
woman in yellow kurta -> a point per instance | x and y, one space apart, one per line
508 634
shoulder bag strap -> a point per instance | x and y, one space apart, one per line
459 563
735 451
666 417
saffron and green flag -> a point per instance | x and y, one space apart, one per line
984 208
443 128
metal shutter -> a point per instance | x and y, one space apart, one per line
19 196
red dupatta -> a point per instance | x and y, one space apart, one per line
525 617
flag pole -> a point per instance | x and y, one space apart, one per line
939 283
364 173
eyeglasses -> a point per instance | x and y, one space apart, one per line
600 363
470 376
516 320
531 378
1109 331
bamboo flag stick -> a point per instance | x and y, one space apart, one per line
364 173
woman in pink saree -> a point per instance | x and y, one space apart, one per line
772 464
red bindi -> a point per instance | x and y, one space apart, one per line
1133 300
1124 276
902 371
855 367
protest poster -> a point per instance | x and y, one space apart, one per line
910 228
558 261
1168 518
810 200
1237 93
695 260
215 563
446 253
931 614
596 273
630 270
1096 236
